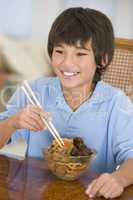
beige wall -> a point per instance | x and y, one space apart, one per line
44 13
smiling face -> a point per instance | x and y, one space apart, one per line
74 65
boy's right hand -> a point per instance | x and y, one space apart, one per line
29 118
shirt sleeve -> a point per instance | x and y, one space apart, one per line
123 129
15 104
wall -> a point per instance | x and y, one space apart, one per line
44 12
123 18
15 18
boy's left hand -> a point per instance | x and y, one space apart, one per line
106 185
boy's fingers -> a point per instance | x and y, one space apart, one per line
39 111
38 121
111 190
30 126
116 193
46 115
106 190
88 190
96 186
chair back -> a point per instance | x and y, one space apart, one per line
120 71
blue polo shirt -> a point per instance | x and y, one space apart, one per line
104 121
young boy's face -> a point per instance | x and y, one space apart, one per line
74 65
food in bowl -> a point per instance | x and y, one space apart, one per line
71 160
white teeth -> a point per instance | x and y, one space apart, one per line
69 73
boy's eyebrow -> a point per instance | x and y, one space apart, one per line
58 45
85 48
77 47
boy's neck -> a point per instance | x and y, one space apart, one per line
77 96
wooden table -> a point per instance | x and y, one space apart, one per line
31 180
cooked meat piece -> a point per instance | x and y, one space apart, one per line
79 148
78 142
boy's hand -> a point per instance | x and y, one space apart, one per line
29 118
106 185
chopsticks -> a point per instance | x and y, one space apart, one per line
34 101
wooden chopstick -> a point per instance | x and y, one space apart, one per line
26 88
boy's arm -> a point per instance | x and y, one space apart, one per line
112 185
9 117
123 174
7 128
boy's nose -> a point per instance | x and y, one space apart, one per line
68 60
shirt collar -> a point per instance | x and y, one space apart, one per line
102 93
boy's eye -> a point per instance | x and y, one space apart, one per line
59 51
81 54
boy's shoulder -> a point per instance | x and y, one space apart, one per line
105 91
116 97
108 88
44 81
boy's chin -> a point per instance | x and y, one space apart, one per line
70 86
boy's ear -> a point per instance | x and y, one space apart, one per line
104 60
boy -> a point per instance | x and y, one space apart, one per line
80 46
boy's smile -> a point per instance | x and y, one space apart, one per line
69 75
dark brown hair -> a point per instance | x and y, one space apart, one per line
84 24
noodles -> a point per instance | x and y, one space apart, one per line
70 161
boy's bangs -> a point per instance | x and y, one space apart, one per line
72 34
70 40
